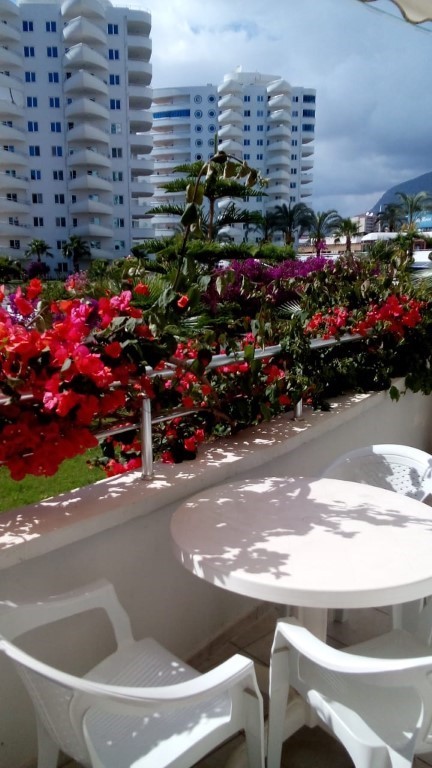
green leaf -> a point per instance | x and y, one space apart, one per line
190 215
249 352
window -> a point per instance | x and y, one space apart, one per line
308 113
116 152
293 171
60 244
307 128
73 199
246 128
294 128
198 128
119 245
53 77
246 113
246 156
58 175
8 148
35 175
27 26
60 221
116 128
38 221
34 151
14 221
246 98
295 99
260 142
171 113
295 113
308 98
56 151
246 142
10 173
212 128
293 157
118 223
197 99
260 113
114 79
59 199
115 104
294 142
260 128
118 199
32 101
37 197
32 126
52 51
54 102
260 98
15 244
293 184
113 54
30 77
260 156
117 176
113 29
198 114
50 26
29 51
56 127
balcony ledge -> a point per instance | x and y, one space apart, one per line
38 529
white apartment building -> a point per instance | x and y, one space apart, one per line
74 126
256 117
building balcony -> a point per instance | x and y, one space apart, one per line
89 230
13 207
82 56
86 109
231 101
279 146
278 188
230 146
278 87
9 133
14 159
9 33
140 69
88 133
91 207
138 23
9 110
90 9
277 174
10 11
119 529
306 178
281 131
83 30
139 47
88 158
138 91
230 131
280 116
140 165
10 59
140 186
140 120
279 101
140 144
10 81
15 229
230 117
10 183
230 86
90 182
84 83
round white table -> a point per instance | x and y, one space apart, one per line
311 543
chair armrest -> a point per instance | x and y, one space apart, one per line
290 633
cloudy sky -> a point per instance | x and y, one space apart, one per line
372 72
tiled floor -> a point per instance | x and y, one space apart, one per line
308 748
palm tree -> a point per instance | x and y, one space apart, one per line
390 219
76 249
411 207
322 224
347 229
292 220
38 248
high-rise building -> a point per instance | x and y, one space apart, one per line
258 118
74 126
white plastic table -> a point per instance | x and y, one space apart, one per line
311 543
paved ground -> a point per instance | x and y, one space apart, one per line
308 748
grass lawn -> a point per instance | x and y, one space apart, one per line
73 473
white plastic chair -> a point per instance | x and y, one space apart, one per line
397 468
141 706
375 697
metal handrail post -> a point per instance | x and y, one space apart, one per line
298 410
146 440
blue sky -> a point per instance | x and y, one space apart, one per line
372 72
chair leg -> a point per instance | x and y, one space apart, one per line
254 731
279 687
48 751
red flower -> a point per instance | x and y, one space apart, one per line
142 290
34 288
183 302
167 457
190 444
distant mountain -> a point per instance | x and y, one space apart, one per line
421 183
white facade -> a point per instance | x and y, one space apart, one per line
74 123
258 118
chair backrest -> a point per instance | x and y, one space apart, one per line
51 699
398 468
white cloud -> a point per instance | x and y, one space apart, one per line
371 71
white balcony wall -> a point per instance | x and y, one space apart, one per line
119 529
